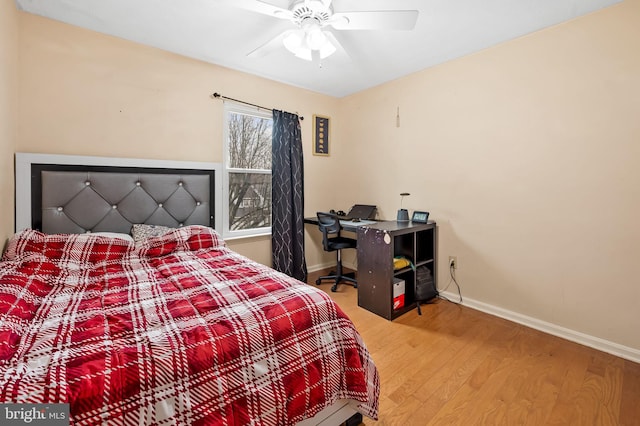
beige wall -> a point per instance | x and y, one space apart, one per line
8 112
85 93
527 155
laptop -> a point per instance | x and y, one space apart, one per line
362 211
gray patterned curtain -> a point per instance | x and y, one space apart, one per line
287 191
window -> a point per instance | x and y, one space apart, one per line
247 171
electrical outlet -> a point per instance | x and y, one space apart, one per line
453 262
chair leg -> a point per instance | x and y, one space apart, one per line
339 276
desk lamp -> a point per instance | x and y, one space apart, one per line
403 214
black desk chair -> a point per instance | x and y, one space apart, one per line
329 224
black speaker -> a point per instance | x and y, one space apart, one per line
425 286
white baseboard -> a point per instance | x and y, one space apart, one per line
575 336
315 268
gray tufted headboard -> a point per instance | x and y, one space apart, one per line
69 194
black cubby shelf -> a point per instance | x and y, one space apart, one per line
378 244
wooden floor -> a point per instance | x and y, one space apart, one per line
457 366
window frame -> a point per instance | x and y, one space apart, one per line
233 107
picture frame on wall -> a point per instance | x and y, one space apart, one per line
321 134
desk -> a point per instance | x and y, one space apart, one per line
347 225
378 243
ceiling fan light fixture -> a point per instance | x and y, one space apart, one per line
316 38
294 40
302 43
327 49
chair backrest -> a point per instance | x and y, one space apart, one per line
329 224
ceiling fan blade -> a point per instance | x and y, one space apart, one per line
375 20
262 7
269 47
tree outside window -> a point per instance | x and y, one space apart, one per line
248 170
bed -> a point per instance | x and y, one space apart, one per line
169 327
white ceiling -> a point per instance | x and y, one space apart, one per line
215 31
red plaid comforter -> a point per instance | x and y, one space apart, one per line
174 330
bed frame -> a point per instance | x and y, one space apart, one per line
78 194
73 194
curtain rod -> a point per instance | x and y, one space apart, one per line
218 95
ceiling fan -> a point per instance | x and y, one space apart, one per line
310 38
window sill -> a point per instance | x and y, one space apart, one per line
244 237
